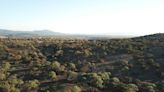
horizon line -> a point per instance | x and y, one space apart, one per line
92 34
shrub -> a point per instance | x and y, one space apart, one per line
72 75
71 66
6 66
33 84
96 80
76 89
52 75
2 76
105 75
131 88
55 65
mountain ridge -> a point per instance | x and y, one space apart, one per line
9 33
48 33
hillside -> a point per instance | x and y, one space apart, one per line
82 65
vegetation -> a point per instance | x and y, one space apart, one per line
78 65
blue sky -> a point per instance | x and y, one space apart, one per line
125 17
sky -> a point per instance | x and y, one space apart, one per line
109 17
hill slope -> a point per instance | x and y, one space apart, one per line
98 65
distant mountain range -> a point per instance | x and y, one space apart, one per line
47 33
10 33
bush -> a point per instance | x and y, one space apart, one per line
131 88
96 80
105 75
55 65
33 84
6 66
71 66
76 89
72 75
52 75
148 87
2 76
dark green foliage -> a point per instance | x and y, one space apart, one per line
77 65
